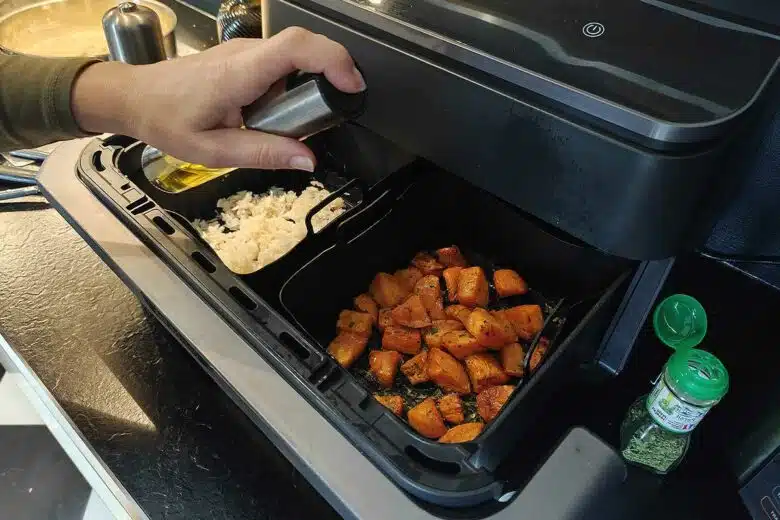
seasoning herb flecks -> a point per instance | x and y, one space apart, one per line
648 444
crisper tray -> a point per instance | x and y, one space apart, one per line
338 263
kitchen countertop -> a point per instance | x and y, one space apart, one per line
174 440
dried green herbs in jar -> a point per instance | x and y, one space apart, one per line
655 433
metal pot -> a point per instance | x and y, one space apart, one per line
68 28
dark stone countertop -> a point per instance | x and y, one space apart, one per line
174 440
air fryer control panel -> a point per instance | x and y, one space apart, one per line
762 493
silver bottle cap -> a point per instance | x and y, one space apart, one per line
134 34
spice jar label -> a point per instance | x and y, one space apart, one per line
672 413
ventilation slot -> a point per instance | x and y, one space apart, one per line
97 162
242 298
203 262
164 226
142 207
290 342
439 466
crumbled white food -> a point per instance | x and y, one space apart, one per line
252 231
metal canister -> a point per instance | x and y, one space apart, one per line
134 34
239 19
304 105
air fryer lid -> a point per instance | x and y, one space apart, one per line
647 56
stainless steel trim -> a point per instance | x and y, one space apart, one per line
608 111
324 456
98 476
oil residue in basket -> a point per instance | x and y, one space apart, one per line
175 176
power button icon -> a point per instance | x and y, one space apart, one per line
593 29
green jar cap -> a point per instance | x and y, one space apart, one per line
680 321
698 374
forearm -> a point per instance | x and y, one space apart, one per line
44 100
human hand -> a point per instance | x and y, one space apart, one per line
190 107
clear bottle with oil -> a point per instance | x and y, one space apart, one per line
302 105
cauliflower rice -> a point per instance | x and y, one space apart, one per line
252 231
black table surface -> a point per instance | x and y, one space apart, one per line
174 440
184 451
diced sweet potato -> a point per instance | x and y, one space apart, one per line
485 371
451 408
451 257
539 354
512 359
490 331
473 290
347 347
508 283
426 419
408 277
462 433
401 339
395 403
461 344
355 322
447 372
385 319
506 326
435 335
527 320
451 277
411 313
458 312
416 369
490 401
427 264
365 303
429 290
383 365
387 291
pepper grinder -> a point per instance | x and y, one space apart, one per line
134 34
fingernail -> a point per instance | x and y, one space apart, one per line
361 82
302 163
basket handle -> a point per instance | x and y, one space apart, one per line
330 198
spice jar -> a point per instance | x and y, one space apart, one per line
656 431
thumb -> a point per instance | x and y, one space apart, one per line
242 148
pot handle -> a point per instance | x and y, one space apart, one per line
356 182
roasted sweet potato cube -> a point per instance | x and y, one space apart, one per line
527 320
461 344
429 290
490 401
365 303
356 322
416 369
394 403
426 419
451 408
462 433
506 326
447 325
485 371
408 277
434 336
473 290
385 319
427 264
447 372
383 365
401 339
411 313
347 347
458 312
490 331
451 257
508 283
539 353
512 359
387 291
451 277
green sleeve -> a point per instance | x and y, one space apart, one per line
35 106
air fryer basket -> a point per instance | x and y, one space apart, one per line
437 210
